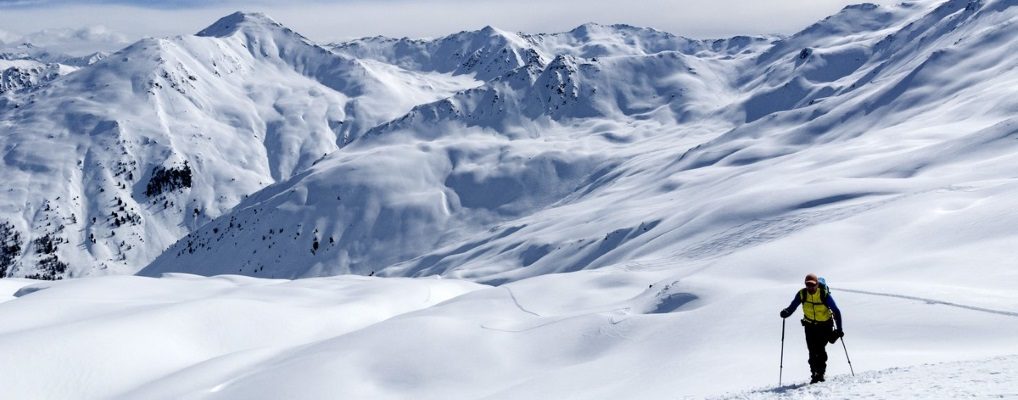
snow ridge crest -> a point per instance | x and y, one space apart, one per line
238 21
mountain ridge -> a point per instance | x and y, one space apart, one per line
232 107
814 94
541 102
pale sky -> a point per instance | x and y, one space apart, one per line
116 21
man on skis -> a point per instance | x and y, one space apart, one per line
820 313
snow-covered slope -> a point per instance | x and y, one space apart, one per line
22 74
29 51
25 66
485 54
681 154
980 379
170 325
638 331
363 221
107 166
625 227
490 53
421 181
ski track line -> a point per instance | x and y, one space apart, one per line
520 306
932 301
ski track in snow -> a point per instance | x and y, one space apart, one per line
517 302
931 301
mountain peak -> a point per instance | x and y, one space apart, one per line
595 31
491 31
591 27
237 21
862 6
587 27
586 30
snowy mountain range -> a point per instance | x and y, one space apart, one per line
609 212
574 154
417 157
111 164
25 66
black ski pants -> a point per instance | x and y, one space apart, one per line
817 336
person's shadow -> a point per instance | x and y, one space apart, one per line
785 388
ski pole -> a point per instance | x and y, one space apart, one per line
781 367
846 356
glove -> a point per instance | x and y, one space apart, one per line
785 313
835 335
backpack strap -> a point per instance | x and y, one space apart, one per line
824 292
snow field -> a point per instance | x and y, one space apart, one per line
651 330
98 338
